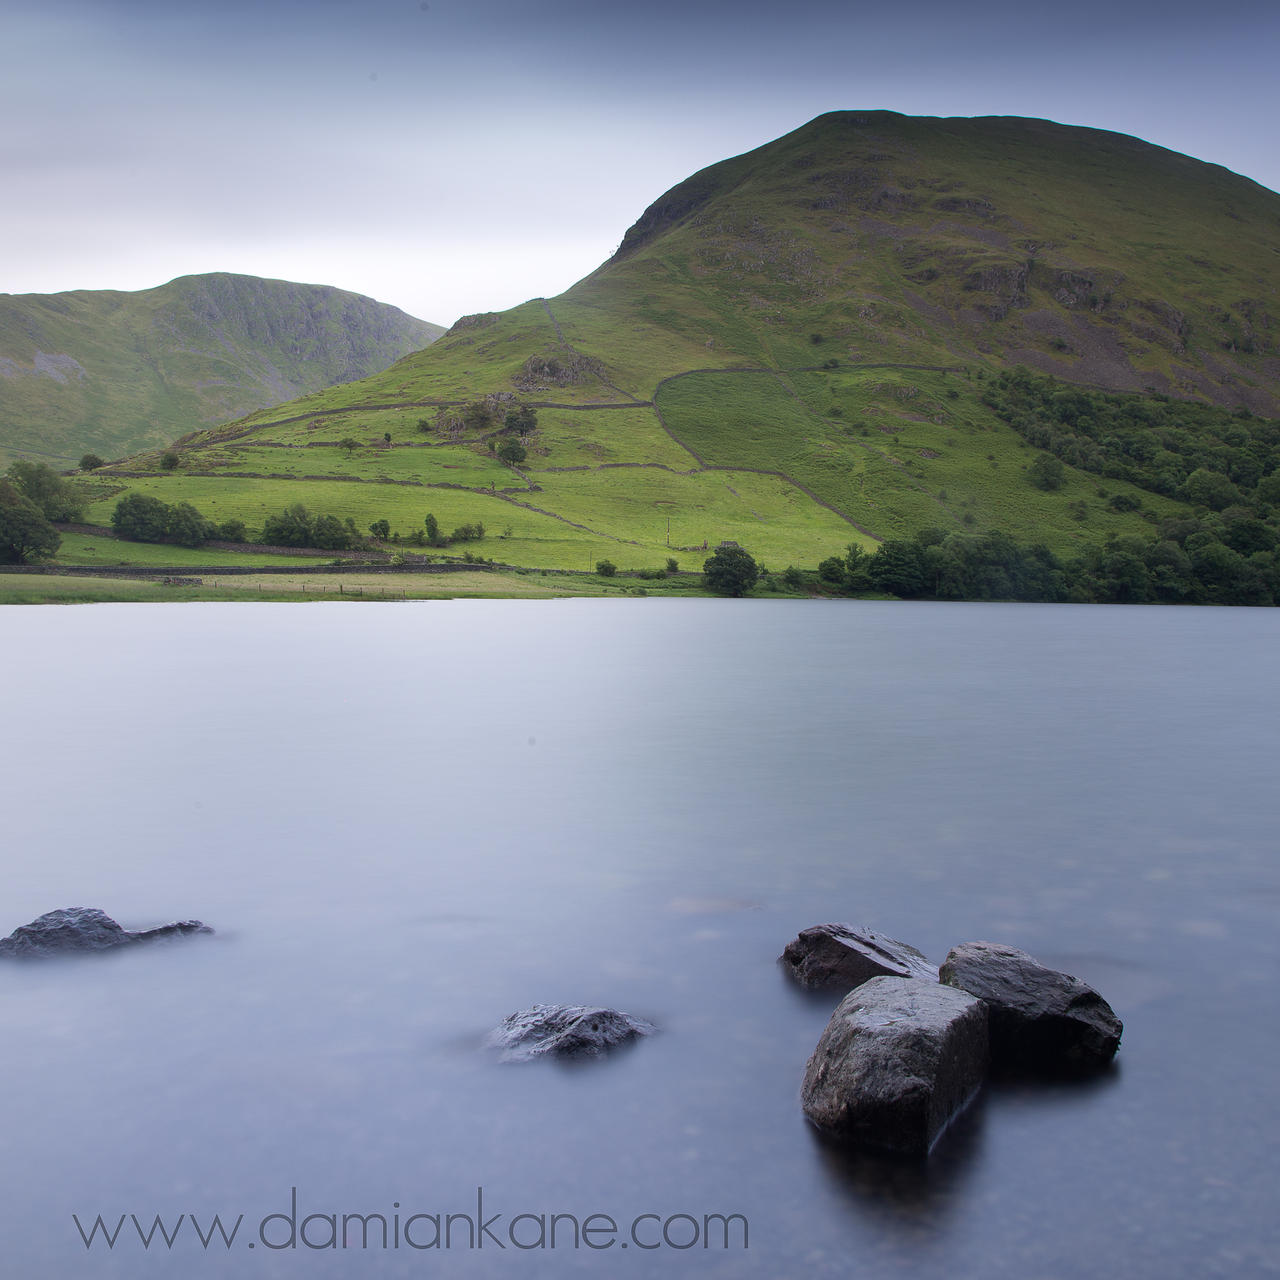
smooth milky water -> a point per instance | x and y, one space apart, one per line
405 822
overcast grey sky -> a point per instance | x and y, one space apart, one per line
451 156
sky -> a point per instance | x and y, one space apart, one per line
453 156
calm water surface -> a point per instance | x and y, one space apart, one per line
407 821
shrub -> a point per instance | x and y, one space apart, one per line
1046 472
606 568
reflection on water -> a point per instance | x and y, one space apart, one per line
890 1189
406 824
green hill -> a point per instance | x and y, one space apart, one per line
110 372
811 345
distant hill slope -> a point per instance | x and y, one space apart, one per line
811 344
111 372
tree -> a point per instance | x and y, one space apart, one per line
380 529
169 459
673 565
433 530
42 485
386 438
898 567
1268 490
25 534
477 415
1204 488
730 571
1047 472
525 419
512 451
186 526
91 462
291 528
348 445
606 568
857 568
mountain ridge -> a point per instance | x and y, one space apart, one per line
112 371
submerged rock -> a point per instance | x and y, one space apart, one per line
564 1030
75 929
1041 1021
899 1058
839 955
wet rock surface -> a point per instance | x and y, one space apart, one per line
71 930
898 1060
564 1031
842 956
1042 1021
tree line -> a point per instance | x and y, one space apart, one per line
1185 563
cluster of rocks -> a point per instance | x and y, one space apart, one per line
74 929
904 1052
909 1046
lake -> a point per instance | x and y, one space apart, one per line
407 821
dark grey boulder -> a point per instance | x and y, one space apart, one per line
898 1060
1041 1021
842 956
564 1031
75 929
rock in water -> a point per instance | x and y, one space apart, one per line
83 929
899 1058
838 955
564 1030
1041 1021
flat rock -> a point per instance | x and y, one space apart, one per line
840 955
564 1031
898 1060
75 929
1041 1021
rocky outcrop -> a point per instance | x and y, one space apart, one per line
76 929
480 320
1005 282
567 368
1041 1021
840 956
898 1060
564 1031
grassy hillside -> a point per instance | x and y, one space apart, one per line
109 372
800 349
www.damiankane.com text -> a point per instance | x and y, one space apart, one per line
399 1229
